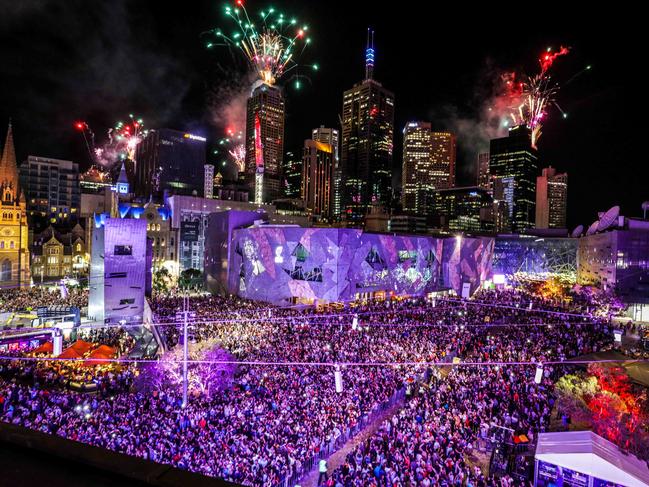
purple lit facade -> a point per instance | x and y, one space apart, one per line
218 233
283 264
119 270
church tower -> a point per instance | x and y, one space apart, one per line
14 234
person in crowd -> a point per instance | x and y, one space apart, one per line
280 414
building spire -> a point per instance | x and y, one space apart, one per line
123 178
8 166
369 55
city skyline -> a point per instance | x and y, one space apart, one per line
581 141
322 244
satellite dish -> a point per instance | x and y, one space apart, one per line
577 231
608 219
593 228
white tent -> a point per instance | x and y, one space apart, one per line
590 454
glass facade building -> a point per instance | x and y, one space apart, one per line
170 160
536 256
331 136
551 199
428 165
514 161
366 149
292 175
264 143
458 209
417 160
317 179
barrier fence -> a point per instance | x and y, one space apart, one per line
327 449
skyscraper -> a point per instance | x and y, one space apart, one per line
52 191
170 160
551 199
14 231
292 175
264 143
366 150
330 136
317 179
483 179
428 165
443 155
417 163
459 209
514 161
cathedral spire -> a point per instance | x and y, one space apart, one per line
8 166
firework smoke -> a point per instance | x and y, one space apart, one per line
511 99
122 140
527 98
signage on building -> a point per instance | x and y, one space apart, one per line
189 231
195 137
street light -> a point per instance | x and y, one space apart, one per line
185 315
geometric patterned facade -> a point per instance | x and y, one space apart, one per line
536 256
282 264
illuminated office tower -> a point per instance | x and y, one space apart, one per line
551 199
317 179
514 161
330 136
172 161
366 149
484 180
264 143
443 155
292 175
417 164
428 165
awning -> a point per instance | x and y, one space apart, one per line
46 347
590 454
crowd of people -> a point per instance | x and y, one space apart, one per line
283 406
29 298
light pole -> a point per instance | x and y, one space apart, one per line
185 315
185 350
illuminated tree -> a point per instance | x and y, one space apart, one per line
215 373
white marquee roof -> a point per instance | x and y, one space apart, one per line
590 454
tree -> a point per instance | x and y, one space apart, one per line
162 280
203 378
617 410
190 279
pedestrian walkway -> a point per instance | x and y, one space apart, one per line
338 457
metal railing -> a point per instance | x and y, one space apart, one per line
328 448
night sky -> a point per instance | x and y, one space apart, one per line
62 61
